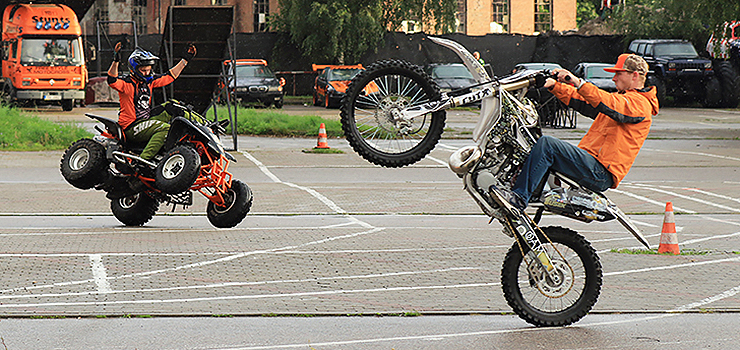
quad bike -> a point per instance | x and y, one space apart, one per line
393 115
192 159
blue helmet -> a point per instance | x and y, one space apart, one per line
141 57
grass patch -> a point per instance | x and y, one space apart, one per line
21 131
323 151
270 122
655 252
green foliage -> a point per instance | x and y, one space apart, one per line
270 122
22 132
674 19
341 31
586 11
331 31
435 16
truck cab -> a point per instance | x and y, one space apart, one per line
42 56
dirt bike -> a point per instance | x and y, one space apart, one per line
393 115
192 159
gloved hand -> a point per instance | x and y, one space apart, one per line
189 52
117 52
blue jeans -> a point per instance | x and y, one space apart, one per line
552 153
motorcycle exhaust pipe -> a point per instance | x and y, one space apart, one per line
464 159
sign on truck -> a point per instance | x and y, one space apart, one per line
42 57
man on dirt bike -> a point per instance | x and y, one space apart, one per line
621 124
140 122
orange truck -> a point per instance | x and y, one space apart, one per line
42 57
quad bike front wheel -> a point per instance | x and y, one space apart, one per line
372 114
178 170
83 164
237 201
553 301
134 210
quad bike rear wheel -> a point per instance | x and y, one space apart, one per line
178 170
548 301
238 200
134 210
372 114
83 164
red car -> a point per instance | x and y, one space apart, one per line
331 84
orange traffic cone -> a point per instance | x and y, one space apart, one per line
322 138
668 236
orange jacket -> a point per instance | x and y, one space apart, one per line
136 96
621 123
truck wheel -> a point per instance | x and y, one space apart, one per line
730 82
713 97
238 200
660 87
134 210
68 105
6 95
84 164
178 170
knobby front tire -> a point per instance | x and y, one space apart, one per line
551 304
370 109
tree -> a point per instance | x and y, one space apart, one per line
341 31
674 19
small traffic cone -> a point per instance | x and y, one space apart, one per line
322 138
668 236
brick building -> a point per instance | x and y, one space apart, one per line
475 17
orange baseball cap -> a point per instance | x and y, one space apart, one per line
629 63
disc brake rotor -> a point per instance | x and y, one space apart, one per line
555 284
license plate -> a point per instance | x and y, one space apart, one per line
52 97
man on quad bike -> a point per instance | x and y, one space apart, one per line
140 122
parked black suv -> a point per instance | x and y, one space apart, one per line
677 70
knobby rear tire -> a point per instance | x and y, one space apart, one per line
135 210
371 95
238 201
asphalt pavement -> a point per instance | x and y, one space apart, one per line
332 236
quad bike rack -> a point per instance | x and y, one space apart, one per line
205 82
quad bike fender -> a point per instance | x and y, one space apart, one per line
180 127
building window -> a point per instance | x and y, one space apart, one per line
219 2
500 16
178 3
461 17
140 16
261 11
542 15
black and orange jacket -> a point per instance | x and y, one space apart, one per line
621 123
136 96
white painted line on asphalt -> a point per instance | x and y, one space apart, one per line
243 284
648 200
700 303
713 194
328 202
202 263
671 267
436 160
693 153
250 296
100 275
654 189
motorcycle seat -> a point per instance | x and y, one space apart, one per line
111 126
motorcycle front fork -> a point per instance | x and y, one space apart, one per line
524 229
